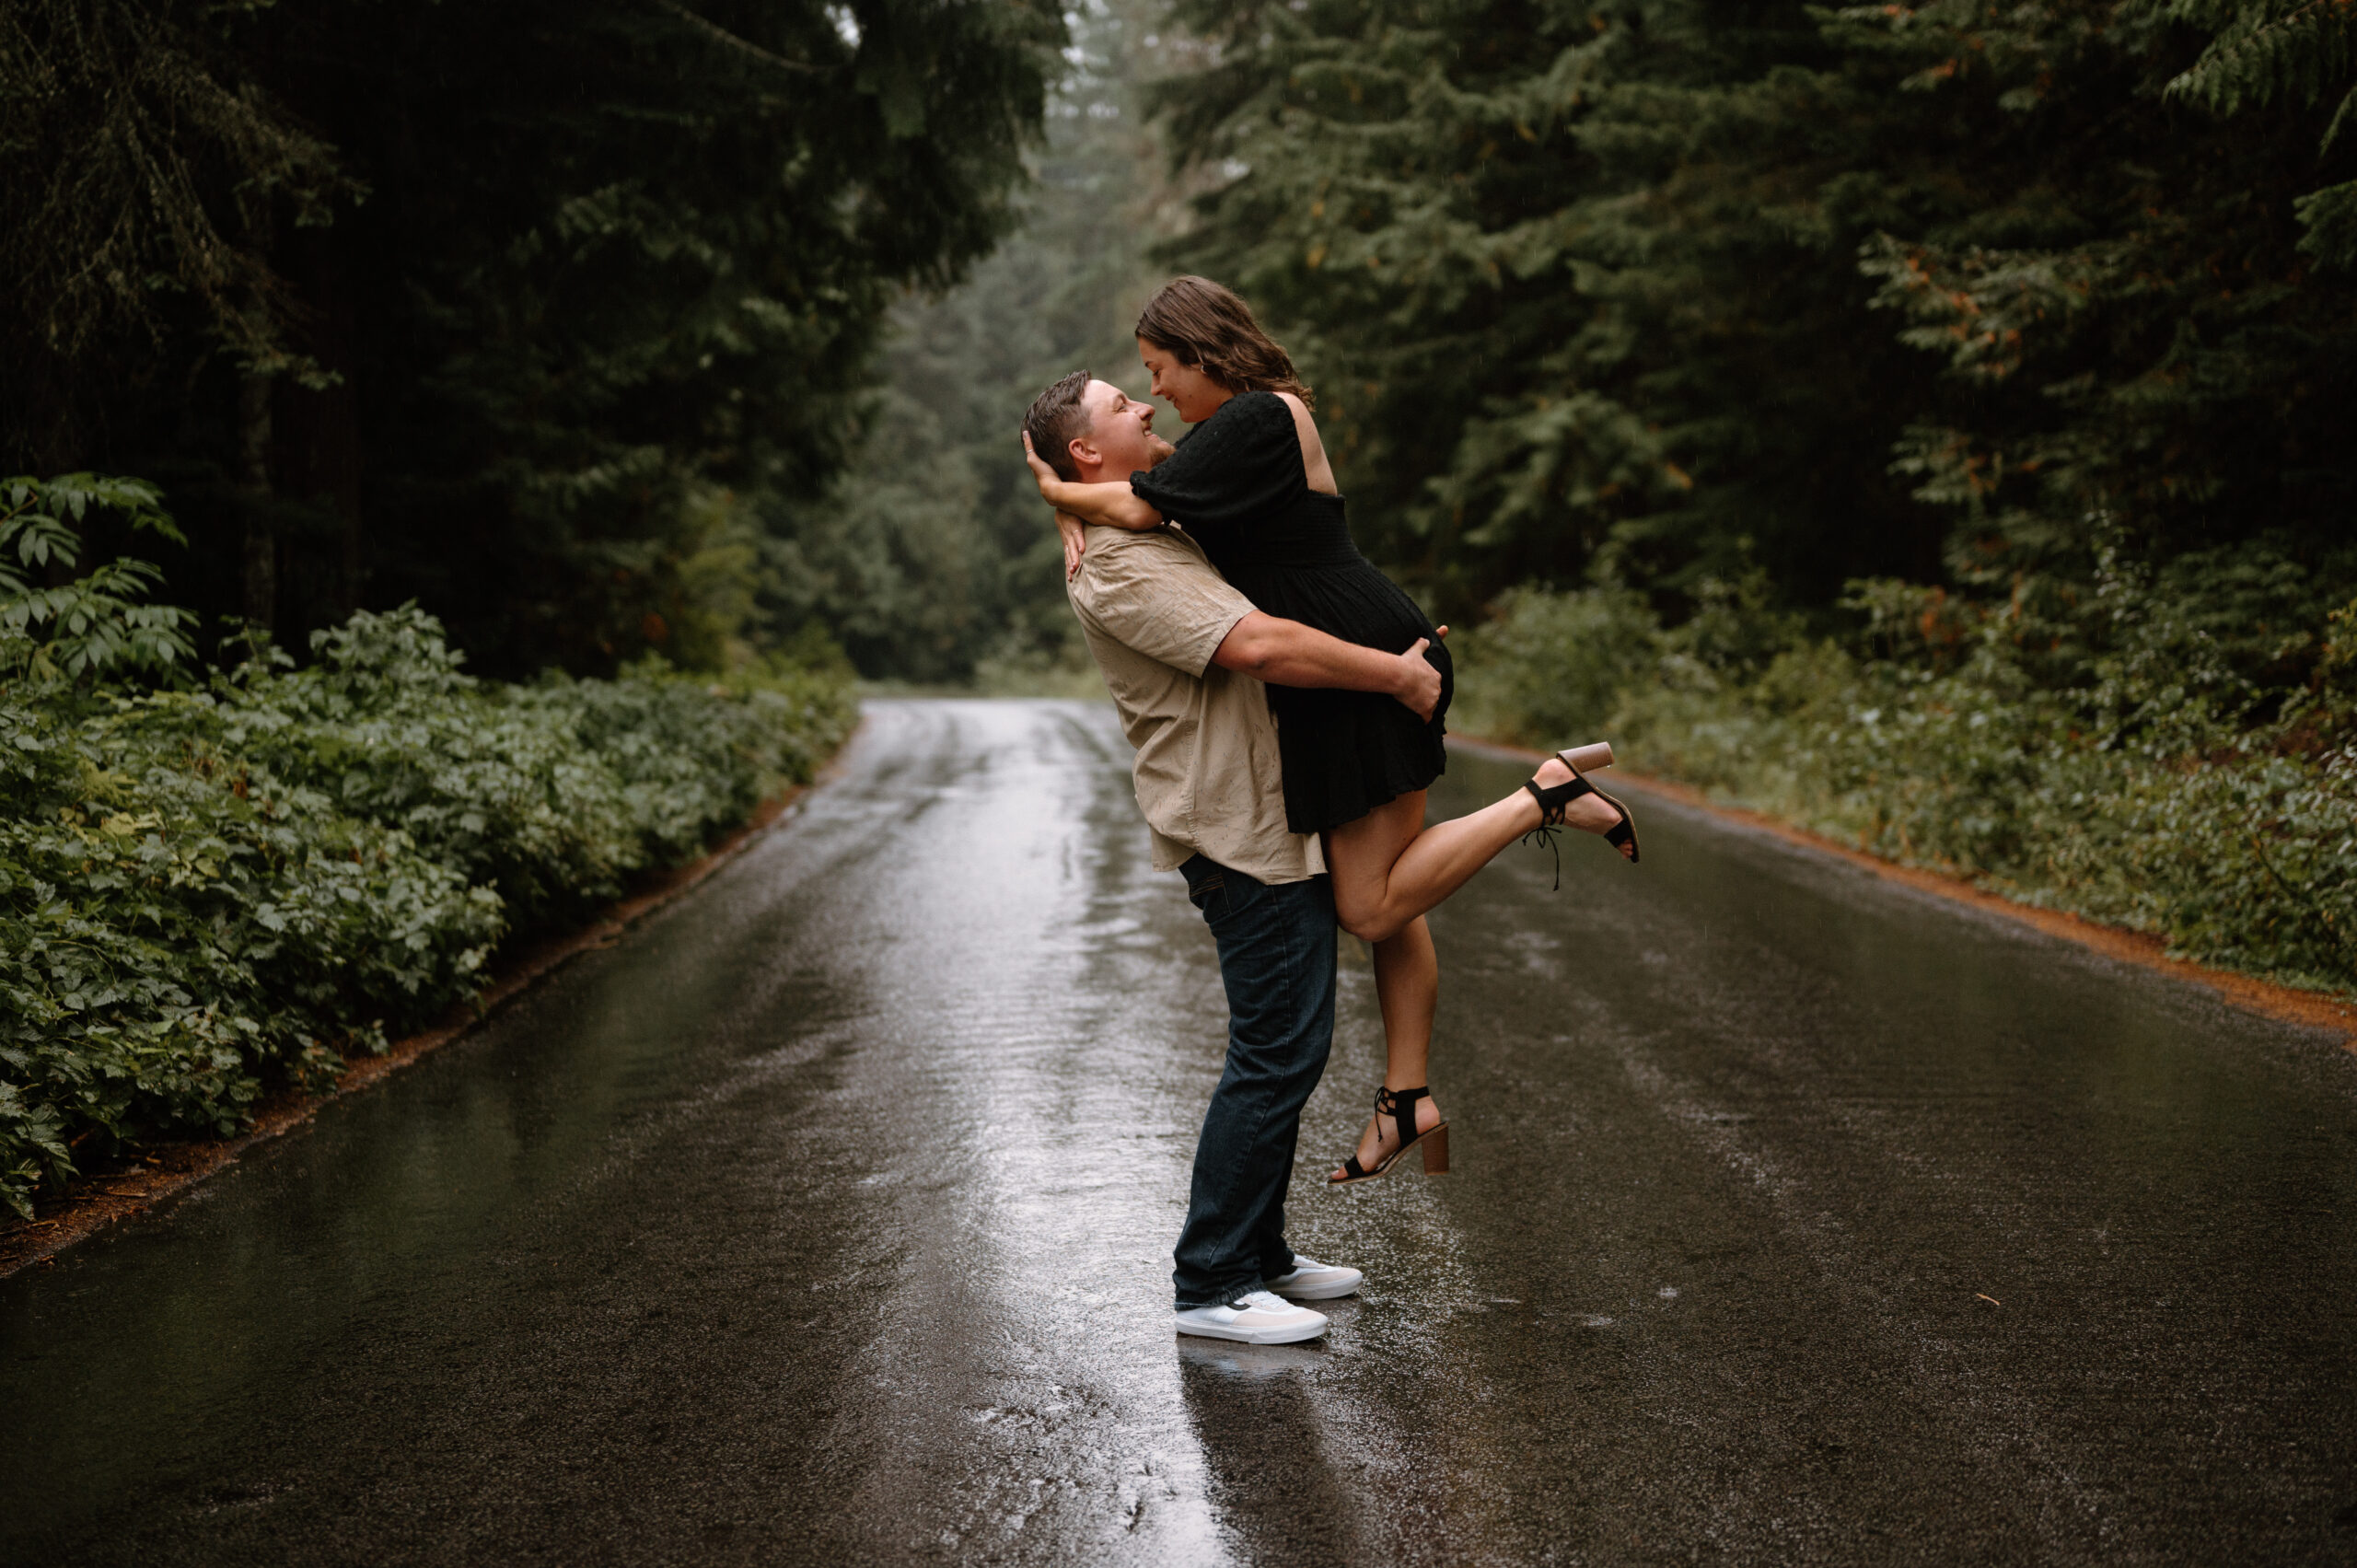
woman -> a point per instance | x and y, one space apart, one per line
1253 486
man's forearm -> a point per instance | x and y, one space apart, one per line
1286 653
1294 654
1113 504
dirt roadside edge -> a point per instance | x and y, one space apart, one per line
2266 998
92 1203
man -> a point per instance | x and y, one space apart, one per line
1183 655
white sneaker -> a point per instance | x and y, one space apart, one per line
1314 1280
1254 1318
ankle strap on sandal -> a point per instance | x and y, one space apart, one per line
1552 799
1400 1106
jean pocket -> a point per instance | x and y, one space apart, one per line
1200 893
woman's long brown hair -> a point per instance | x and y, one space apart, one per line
1211 329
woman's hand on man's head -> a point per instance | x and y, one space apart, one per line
1040 472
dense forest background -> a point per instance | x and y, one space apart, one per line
605 327
1673 289
545 316
930 559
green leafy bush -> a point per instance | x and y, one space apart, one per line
93 622
1555 664
2174 754
211 887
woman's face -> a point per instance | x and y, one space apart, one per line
1195 395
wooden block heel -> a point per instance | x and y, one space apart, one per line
1435 1148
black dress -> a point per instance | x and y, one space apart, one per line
1236 485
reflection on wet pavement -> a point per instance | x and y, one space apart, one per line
1798 1217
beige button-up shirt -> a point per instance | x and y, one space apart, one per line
1154 611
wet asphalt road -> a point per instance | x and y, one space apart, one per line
1798 1218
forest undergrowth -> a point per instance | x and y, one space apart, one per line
217 882
2174 754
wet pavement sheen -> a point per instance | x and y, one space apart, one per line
1798 1217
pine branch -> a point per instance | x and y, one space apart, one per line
729 41
2342 117
2330 215
2270 48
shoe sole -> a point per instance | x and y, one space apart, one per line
1254 1336
1320 1292
1432 1141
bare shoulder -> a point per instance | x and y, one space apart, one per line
1313 450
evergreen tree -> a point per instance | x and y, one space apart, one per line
2304 50
572 271
934 553
1644 287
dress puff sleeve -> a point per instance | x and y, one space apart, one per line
1240 465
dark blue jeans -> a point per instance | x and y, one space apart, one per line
1276 958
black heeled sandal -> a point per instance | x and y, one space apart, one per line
1553 798
1400 1106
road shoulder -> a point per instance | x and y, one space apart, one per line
2266 998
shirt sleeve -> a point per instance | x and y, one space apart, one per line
1240 465
1157 597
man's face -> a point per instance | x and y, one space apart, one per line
1120 438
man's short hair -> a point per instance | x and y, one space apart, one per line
1060 416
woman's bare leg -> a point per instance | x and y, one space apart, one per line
1406 981
1388 868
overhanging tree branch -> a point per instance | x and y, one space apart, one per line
728 39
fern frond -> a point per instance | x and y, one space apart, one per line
2343 116
2267 50
2331 217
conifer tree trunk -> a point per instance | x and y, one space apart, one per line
261 563
315 435
260 575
